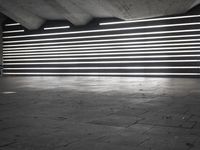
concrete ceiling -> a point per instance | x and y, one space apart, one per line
33 13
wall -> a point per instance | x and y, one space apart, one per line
1 48
162 47
2 18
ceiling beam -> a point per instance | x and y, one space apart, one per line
93 7
138 9
13 10
71 11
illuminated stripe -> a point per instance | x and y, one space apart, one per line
104 30
110 74
102 54
12 24
102 62
59 27
13 31
98 44
151 19
125 45
48 51
111 35
97 58
102 68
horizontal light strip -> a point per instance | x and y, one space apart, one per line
151 19
102 54
98 44
98 58
104 30
12 24
13 31
59 27
103 62
109 35
110 74
50 51
92 68
125 45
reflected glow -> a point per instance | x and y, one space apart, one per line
104 30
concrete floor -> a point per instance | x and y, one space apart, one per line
99 113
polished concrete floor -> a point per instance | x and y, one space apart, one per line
99 113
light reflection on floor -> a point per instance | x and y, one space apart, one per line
90 112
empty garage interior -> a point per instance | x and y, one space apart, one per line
100 75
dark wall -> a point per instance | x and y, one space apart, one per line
1 48
2 18
166 47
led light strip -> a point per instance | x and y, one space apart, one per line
109 74
147 20
98 44
104 30
12 24
102 54
125 45
104 68
98 58
110 35
13 31
128 49
59 27
103 62
50 51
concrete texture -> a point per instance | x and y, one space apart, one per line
20 14
95 113
79 17
33 13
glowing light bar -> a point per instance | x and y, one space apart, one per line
12 24
119 51
50 51
98 44
103 62
110 35
103 68
104 30
54 28
8 92
98 58
13 31
107 74
101 54
117 45
151 19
